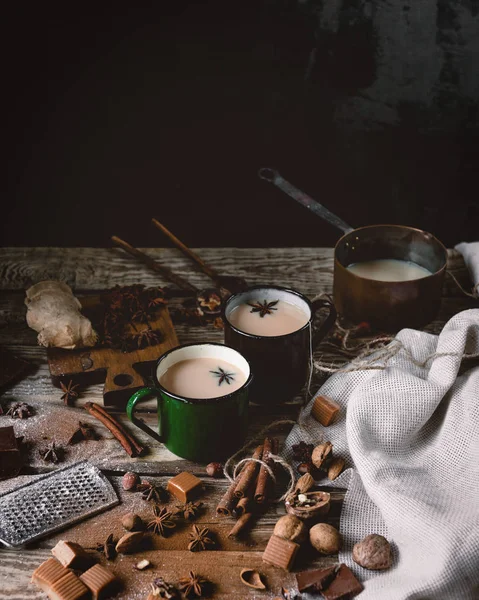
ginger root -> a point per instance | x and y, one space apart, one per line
54 312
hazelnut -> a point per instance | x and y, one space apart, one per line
321 453
335 468
214 469
130 481
373 552
304 468
291 528
130 542
132 522
325 538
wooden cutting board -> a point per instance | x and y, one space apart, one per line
123 372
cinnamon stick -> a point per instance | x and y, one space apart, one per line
243 506
248 474
227 502
264 479
241 524
128 442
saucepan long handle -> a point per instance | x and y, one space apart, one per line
318 209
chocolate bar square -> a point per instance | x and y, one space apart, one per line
48 573
325 410
69 587
316 580
11 460
185 486
100 581
72 555
344 585
280 552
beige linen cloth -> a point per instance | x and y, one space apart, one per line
410 437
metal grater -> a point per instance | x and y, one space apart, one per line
53 502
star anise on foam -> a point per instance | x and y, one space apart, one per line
84 432
107 548
199 539
162 521
69 392
193 585
52 453
150 491
223 376
189 510
162 589
266 308
20 410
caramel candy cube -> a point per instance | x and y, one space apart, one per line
325 410
48 573
184 486
280 552
72 555
344 585
100 581
69 587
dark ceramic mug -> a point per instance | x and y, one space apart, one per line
281 363
198 429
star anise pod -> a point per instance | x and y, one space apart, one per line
70 392
142 316
84 432
189 510
264 309
150 491
223 376
302 452
52 453
193 585
107 548
162 589
20 410
162 521
147 337
199 539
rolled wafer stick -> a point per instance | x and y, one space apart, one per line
227 502
248 474
241 524
264 478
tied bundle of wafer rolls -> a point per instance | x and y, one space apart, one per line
251 490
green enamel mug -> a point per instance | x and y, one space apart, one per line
202 413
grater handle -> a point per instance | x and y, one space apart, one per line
138 396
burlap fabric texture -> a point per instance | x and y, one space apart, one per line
410 437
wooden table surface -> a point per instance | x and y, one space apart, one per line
310 270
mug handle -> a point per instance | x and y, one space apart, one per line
328 322
131 407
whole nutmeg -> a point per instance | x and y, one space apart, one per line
373 552
214 469
335 468
132 522
291 528
321 453
130 481
325 538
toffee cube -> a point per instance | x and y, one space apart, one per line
48 573
72 555
280 552
185 486
69 587
100 581
325 410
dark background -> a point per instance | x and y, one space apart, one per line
120 112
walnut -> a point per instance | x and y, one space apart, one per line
373 552
321 453
291 528
325 538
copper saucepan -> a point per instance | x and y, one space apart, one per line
385 305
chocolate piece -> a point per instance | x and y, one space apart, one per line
11 367
72 555
344 585
11 460
184 486
280 552
316 580
48 573
69 587
325 410
100 581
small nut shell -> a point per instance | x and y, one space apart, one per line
291 528
373 552
132 522
309 513
321 453
335 468
130 542
325 538
252 579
